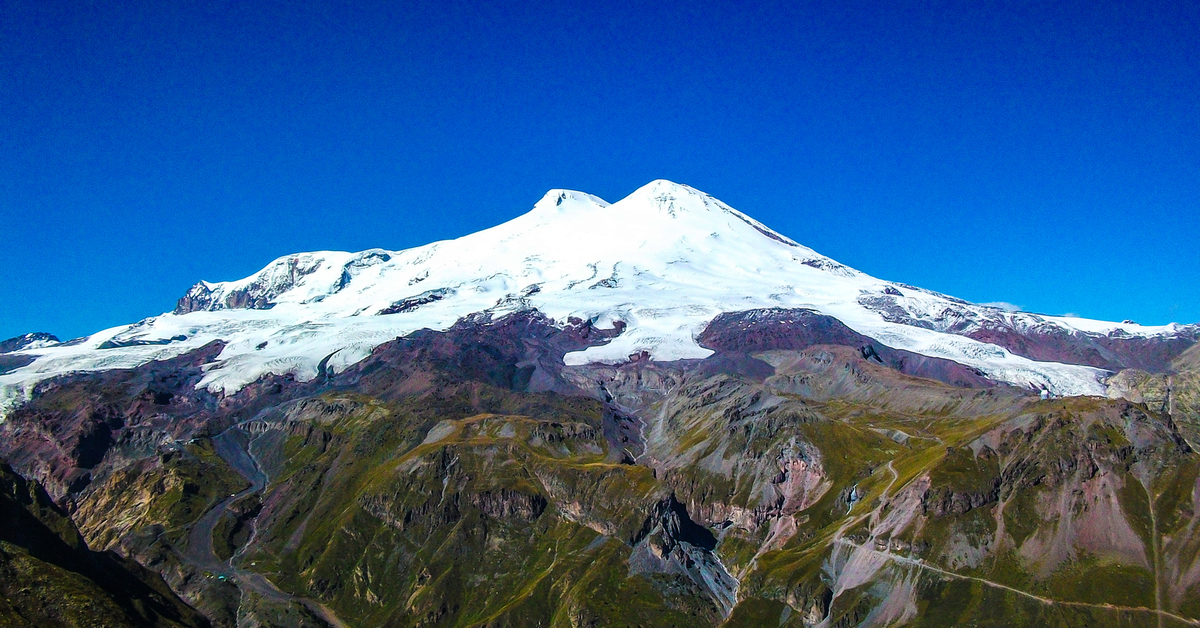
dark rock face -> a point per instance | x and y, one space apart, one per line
133 411
1112 352
279 277
777 328
20 342
113 344
200 298
672 519
48 575
197 299
507 504
799 329
733 363
952 319
522 351
10 363
412 303
1039 340
671 543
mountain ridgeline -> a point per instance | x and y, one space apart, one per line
685 419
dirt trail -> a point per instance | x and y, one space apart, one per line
1158 611
1154 548
852 520
887 492
916 562
233 447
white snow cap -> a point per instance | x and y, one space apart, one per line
665 260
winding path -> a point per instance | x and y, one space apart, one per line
915 562
232 446
1154 547
1158 611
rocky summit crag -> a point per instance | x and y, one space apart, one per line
655 412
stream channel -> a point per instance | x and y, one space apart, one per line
233 445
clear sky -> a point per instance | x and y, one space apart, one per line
1045 154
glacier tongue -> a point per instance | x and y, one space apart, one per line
665 261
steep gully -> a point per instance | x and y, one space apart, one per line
711 573
233 447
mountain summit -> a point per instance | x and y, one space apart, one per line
662 263
655 412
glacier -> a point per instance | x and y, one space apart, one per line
664 261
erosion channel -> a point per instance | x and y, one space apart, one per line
233 445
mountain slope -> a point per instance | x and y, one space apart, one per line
661 263
651 413
49 577
798 476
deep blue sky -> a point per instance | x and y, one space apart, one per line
1045 154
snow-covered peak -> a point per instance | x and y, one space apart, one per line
664 261
663 195
35 340
557 202
674 200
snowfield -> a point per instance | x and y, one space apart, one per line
665 261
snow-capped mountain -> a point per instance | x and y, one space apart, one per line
663 262
35 340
